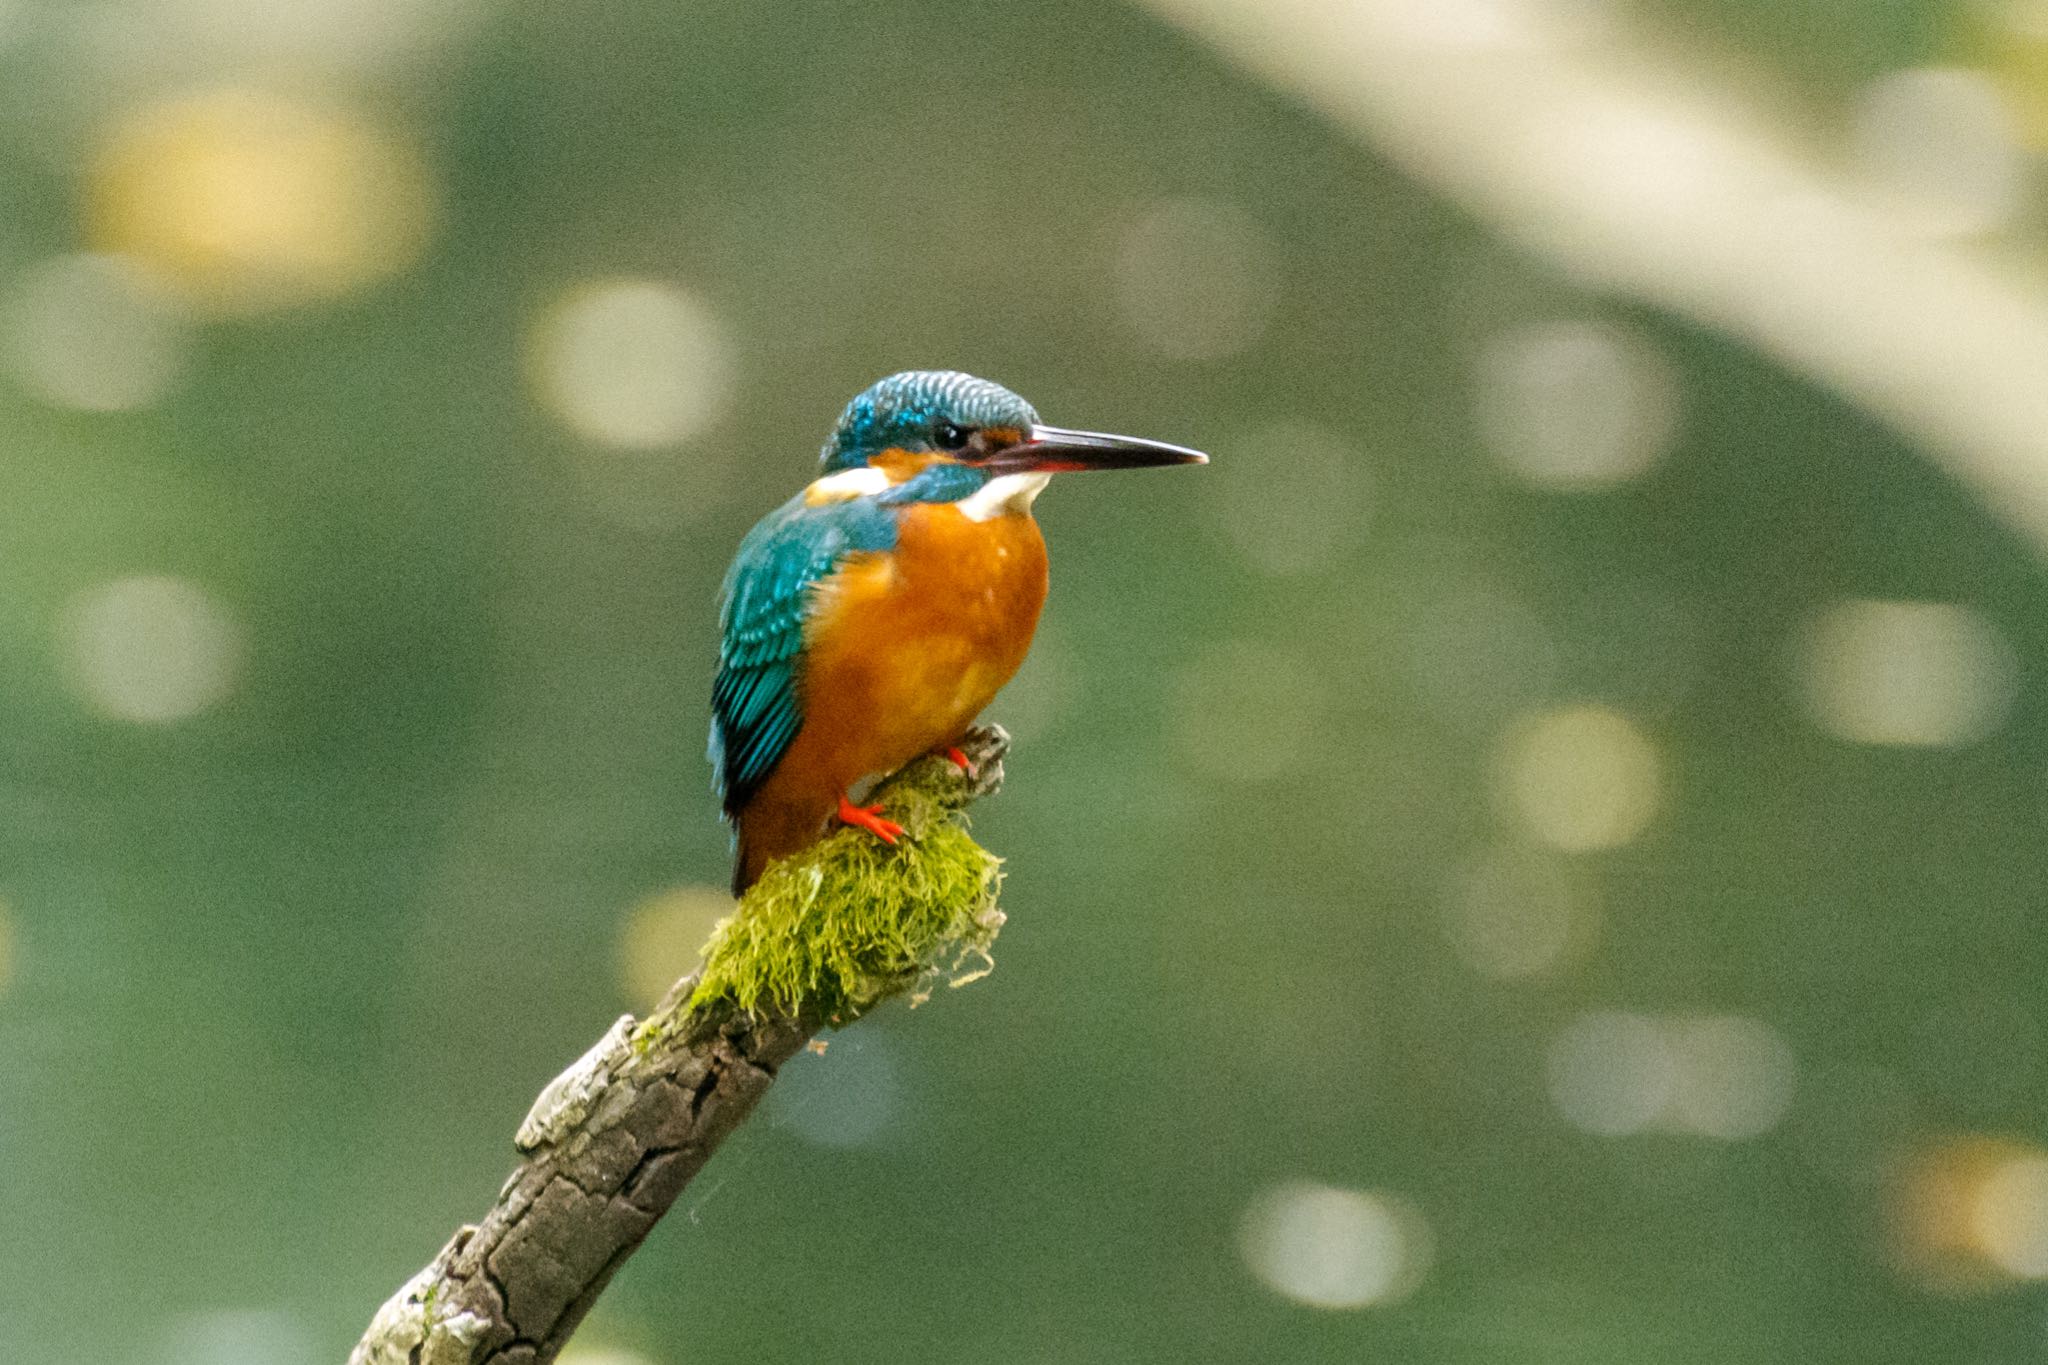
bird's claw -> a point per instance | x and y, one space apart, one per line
960 760
871 819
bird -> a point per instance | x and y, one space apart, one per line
870 619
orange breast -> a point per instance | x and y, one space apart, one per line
902 651
906 648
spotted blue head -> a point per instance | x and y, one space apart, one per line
941 436
922 412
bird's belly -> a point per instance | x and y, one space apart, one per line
907 648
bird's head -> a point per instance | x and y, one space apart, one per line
943 436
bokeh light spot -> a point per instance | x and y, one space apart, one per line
343 36
1197 279
1735 1077
1612 1074
661 939
238 1336
1291 497
1969 1214
1725 1077
1580 778
1462 24
93 332
2011 36
2026 18
845 1099
1938 145
245 201
1520 912
1907 673
151 649
2010 1215
1246 711
1576 405
632 363
601 1355
1334 1248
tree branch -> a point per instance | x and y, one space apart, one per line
612 1141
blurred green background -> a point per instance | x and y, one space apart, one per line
1534 856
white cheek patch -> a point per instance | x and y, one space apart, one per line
847 484
1003 494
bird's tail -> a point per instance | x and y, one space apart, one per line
746 868
773 826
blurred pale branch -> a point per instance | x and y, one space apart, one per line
612 1141
1660 174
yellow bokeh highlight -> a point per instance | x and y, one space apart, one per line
2008 39
601 1355
1969 1214
1580 778
662 937
2010 1215
243 201
635 364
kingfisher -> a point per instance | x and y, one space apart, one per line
870 618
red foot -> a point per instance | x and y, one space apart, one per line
960 760
871 819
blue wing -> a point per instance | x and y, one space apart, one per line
756 704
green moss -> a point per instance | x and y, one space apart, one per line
852 921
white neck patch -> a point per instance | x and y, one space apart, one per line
857 482
1002 495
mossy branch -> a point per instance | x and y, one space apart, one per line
611 1142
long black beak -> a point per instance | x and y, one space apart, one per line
1054 450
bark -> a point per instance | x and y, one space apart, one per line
606 1149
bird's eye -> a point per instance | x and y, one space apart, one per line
950 436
